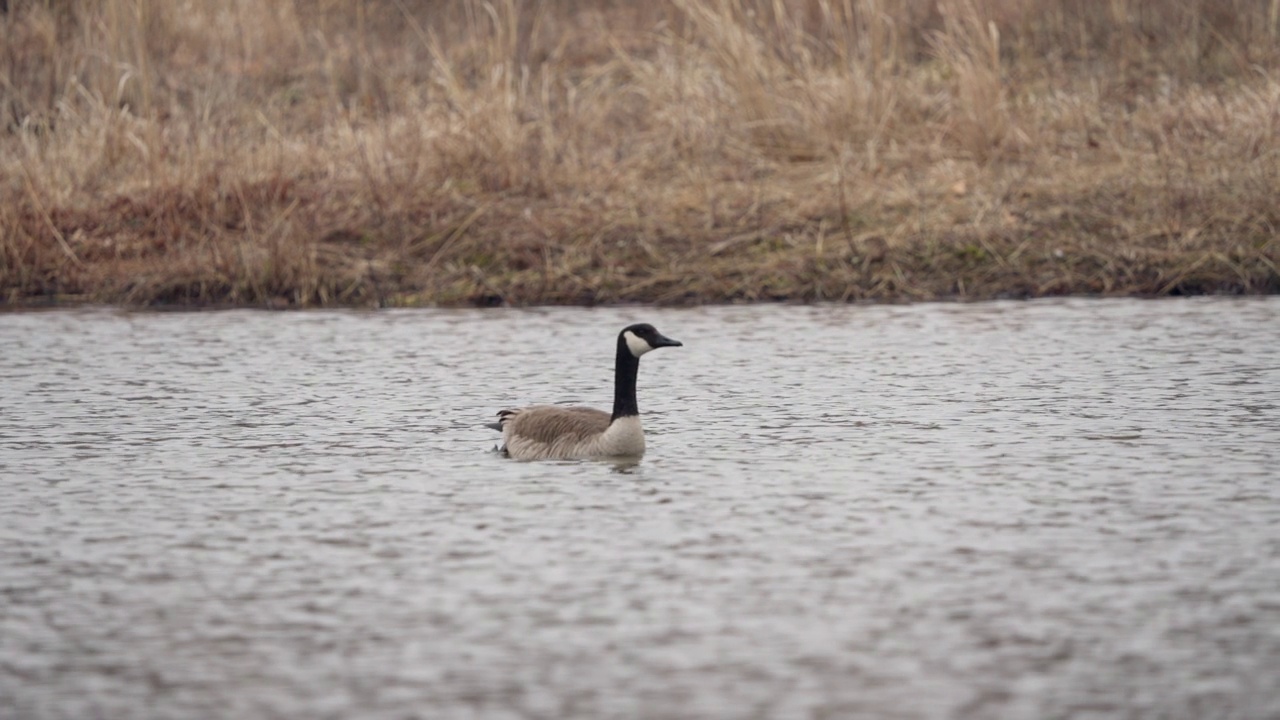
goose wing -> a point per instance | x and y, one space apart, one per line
549 424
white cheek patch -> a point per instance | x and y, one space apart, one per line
636 344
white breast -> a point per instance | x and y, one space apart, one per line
624 438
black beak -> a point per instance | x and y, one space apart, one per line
664 341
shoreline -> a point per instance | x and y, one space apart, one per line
60 304
1264 287
930 272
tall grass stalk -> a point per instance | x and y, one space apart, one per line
582 151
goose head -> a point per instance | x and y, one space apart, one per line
643 337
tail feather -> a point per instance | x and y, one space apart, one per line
503 416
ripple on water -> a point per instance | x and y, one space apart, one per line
1043 509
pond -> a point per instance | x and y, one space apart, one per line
1043 509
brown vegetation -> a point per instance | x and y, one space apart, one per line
321 152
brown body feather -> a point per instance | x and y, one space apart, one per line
544 432
548 423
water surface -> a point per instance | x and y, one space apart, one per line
1024 510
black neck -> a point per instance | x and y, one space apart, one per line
624 382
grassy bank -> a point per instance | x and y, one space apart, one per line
399 152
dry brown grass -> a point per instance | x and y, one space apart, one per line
321 152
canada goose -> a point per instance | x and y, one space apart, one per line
553 432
